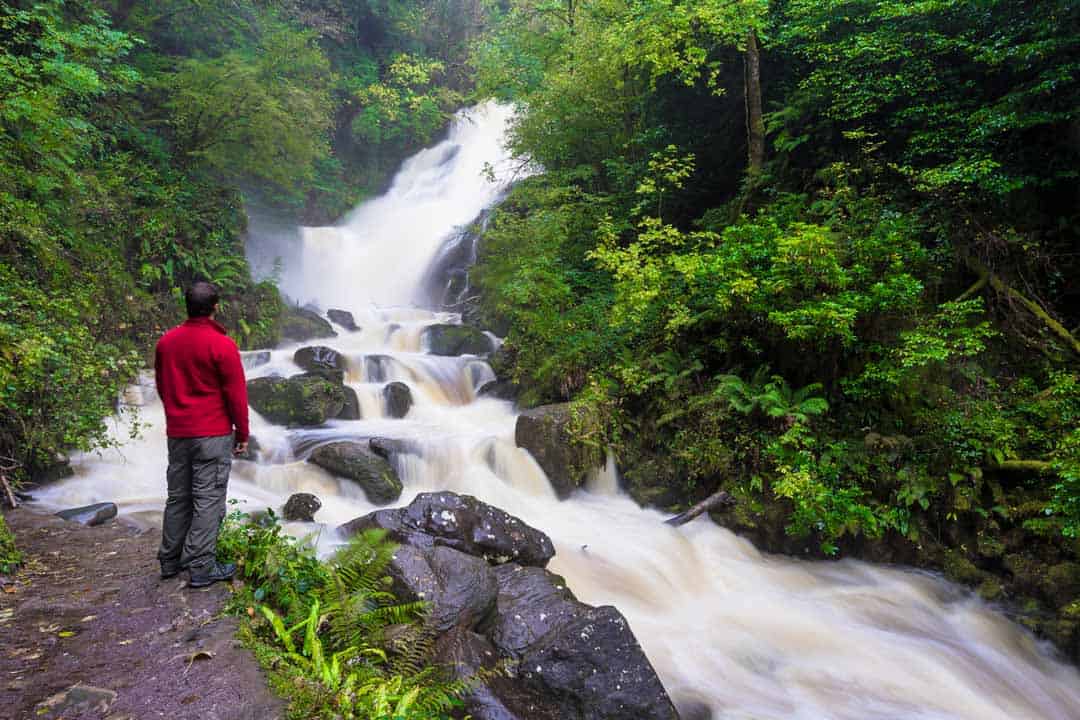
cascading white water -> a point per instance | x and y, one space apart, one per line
748 635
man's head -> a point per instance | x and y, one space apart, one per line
201 300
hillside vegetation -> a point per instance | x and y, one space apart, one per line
821 254
128 130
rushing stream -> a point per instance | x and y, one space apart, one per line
749 635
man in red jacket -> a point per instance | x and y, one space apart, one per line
200 380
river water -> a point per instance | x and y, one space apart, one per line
751 636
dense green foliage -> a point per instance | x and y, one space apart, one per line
335 640
10 557
874 324
127 131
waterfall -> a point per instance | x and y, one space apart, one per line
745 634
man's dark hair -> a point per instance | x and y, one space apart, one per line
200 299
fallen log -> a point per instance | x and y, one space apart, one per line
719 500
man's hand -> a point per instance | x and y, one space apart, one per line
240 448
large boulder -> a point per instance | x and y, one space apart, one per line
456 340
319 357
398 398
299 400
578 660
301 507
356 461
567 660
344 318
461 522
461 588
301 324
549 434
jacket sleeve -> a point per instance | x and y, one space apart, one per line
234 387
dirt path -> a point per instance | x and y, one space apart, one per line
89 609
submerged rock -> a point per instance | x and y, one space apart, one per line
319 357
301 324
344 318
96 514
299 400
547 433
456 340
301 507
461 522
356 461
398 398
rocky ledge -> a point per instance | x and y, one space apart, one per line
493 603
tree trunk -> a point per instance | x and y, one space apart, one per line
719 500
755 124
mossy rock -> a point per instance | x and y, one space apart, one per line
551 435
299 400
456 340
989 545
319 357
1062 583
300 324
959 568
652 481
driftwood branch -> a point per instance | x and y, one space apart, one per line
1027 467
719 500
5 484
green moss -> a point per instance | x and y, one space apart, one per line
959 568
990 590
990 545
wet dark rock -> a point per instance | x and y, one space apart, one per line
500 389
466 653
398 398
302 324
335 376
456 340
389 447
693 709
301 507
95 514
590 666
299 400
351 409
575 660
531 601
547 433
461 588
344 318
357 462
461 522
319 357
254 359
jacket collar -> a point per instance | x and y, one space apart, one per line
206 322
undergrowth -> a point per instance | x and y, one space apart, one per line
10 557
333 638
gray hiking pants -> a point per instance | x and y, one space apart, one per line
198 476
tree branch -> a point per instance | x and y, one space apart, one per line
719 500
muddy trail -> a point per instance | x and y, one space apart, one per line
89 630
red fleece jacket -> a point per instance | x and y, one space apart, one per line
200 380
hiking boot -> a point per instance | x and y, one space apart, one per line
211 574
